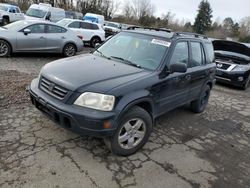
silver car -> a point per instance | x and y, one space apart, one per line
38 36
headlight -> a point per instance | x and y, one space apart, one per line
96 101
40 74
241 68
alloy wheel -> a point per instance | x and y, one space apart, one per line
69 50
132 133
3 49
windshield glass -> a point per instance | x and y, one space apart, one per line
63 22
143 50
36 13
112 25
90 18
15 26
3 7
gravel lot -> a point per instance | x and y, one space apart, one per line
185 150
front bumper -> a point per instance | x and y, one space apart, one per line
232 78
77 119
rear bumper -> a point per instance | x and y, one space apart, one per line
233 78
77 119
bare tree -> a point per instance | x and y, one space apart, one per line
245 26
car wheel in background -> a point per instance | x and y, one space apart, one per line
245 86
94 41
5 48
6 21
69 50
200 104
133 131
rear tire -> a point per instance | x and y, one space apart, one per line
133 131
94 41
245 86
5 49
199 105
69 50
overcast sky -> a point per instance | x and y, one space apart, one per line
187 9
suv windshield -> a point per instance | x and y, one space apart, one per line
138 49
3 7
36 13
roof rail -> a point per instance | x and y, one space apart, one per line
196 35
149 28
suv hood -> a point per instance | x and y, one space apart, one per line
232 52
90 72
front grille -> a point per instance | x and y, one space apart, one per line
223 66
52 88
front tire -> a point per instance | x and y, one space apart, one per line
69 50
199 105
6 21
134 129
245 86
5 49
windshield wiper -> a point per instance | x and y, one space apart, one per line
102 54
126 61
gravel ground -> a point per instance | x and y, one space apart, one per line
211 149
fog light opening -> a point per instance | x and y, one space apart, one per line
66 122
240 78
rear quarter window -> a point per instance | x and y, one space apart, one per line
209 52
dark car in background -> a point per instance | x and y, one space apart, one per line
118 91
232 62
111 28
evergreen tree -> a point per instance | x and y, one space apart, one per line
203 19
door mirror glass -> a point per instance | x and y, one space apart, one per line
178 67
26 31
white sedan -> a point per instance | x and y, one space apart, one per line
89 32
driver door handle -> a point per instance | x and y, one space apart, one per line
42 37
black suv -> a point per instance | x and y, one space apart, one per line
119 90
233 63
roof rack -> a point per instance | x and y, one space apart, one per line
149 28
196 35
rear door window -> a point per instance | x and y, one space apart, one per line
75 25
86 25
55 29
210 52
17 10
197 54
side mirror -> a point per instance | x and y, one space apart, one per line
97 45
178 67
26 31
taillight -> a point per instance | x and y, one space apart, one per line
80 37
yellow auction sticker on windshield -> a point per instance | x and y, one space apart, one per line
161 42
